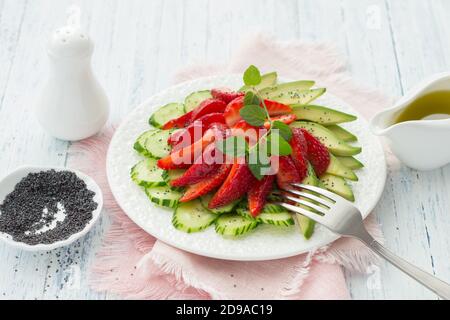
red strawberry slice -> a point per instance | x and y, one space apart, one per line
205 186
318 154
249 132
231 114
194 131
299 152
184 157
276 108
287 173
226 95
286 118
234 187
208 106
257 195
204 166
180 122
185 137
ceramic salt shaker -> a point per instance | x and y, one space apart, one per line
73 106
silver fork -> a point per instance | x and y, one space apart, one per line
342 217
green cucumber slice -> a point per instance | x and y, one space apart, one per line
232 224
139 145
267 80
147 174
321 115
225 209
166 113
351 162
270 214
192 217
342 134
337 185
169 175
163 196
155 144
336 168
335 145
194 99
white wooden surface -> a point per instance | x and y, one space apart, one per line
139 46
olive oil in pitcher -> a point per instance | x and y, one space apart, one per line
431 106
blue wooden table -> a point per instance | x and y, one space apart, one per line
140 44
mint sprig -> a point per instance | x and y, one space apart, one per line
255 113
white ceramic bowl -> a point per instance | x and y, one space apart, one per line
7 185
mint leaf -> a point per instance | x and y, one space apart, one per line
254 115
278 145
256 171
251 98
284 130
252 76
235 146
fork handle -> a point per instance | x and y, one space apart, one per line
436 285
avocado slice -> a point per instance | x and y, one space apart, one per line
335 145
341 133
351 162
320 114
337 185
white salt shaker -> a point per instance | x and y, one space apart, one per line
73 106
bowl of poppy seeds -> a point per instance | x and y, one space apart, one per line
43 208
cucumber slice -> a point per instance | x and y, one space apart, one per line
267 80
147 174
194 99
335 145
192 217
139 145
336 168
337 185
166 113
163 196
270 214
169 175
155 144
351 162
231 224
322 115
295 96
225 209
342 134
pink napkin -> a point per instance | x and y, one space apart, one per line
134 265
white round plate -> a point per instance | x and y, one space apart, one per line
266 242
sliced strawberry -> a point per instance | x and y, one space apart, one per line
226 95
318 154
257 195
208 106
231 114
204 166
249 132
299 152
205 186
275 108
185 137
180 122
184 157
234 187
287 173
286 118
